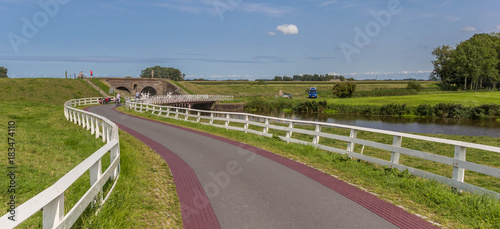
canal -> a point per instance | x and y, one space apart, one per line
489 128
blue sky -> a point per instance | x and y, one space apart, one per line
236 39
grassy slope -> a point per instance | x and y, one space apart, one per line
48 146
430 199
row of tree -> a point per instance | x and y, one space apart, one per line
309 77
473 64
3 72
162 72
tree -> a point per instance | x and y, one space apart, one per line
162 72
477 61
442 64
3 72
412 84
344 89
473 64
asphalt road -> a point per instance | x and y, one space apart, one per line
247 190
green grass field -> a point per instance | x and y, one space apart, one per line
465 98
244 89
271 88
48 146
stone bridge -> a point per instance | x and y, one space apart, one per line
151 86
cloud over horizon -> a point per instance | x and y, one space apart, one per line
288 29
469 29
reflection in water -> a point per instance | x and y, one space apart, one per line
415 125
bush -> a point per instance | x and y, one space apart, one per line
344 89
425 110
259 104
414 85
395 109
310 107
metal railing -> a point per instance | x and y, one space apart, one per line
165 99
458 162
51 200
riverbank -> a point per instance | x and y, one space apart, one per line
483 107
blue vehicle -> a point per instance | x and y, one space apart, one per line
313 93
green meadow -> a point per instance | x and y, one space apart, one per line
48 146
296 88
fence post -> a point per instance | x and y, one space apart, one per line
199 117
176 112
92 123
227 121
211 118
396 141
351 144
53 212
96 173
246 123
88 121
96 128
74 117
110 132
104 127
84 120
187 114
459 173
289 132
316 137
114 153
266 128
66 113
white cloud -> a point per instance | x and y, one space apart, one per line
263 8
498 27
288 29
328 3
271 33
469 29
450 18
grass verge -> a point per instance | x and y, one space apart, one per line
48 146
145 194
435 202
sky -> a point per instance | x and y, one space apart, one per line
236 39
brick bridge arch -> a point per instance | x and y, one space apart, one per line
133 85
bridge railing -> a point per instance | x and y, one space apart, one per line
164 99
51 200
261 125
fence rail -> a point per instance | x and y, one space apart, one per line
51 200
245 120
165 99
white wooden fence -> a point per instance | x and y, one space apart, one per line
164 99
458 162
51 200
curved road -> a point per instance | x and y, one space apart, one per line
226 184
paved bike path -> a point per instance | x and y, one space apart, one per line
225 184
